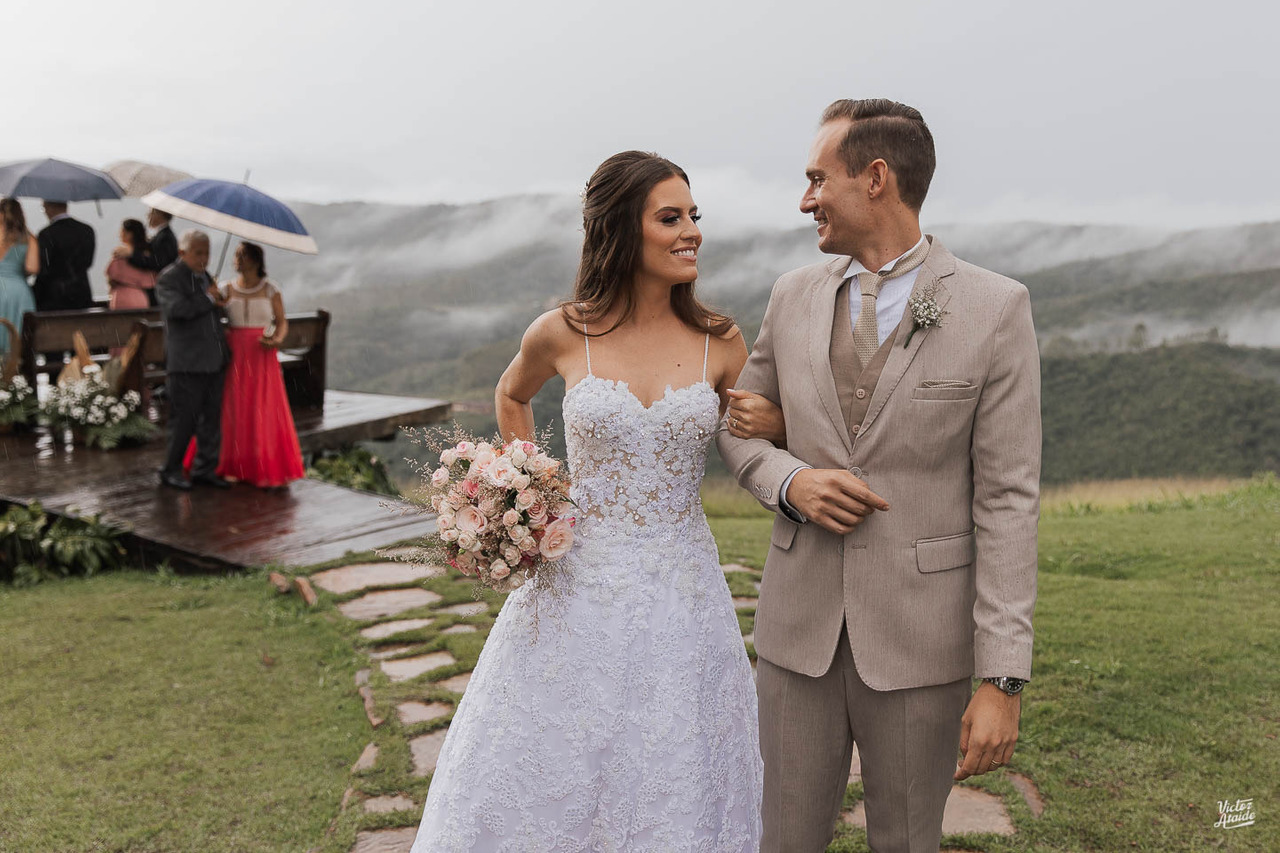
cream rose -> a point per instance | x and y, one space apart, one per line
445 521
518 456
467 540
510 518
498 569
521 482
471 520
511 554
556 540
529 545
525 499
501 472
465 449
519 532
450 535
448 457
537 516
440 477
489 507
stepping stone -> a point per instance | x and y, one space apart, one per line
383 805
738 567
419 712
471 608
389 652
406 668
366 759
742 601
1029 792
387 629
386 840
460 629
365 575
389 602
426 752
362 677
457 683
749 638
968 810
855 766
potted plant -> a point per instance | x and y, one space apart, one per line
96 416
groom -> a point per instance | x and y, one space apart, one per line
903 554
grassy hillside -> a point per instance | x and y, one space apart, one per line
1168 411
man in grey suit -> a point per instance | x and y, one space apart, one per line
196 360
903 554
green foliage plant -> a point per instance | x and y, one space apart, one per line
355 468
33 549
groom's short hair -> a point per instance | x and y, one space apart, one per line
890 131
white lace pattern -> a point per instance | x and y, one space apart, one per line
627 720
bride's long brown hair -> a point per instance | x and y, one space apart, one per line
612 208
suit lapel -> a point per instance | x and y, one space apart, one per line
822 307
939 264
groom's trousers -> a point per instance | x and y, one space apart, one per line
908 742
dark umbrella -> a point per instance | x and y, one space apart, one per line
56 180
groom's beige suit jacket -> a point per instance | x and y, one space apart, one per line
942 585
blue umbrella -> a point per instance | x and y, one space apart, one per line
56 180
237 209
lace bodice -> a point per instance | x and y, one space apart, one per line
250 309
636 467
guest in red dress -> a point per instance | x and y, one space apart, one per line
259 441
131 275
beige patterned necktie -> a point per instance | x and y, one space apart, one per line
866 340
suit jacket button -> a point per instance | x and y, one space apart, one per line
857 428
856 471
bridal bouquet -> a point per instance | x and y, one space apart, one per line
503 511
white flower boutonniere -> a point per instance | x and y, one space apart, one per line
925 314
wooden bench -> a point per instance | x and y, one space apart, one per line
302 359
48 334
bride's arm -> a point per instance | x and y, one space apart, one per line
750 415
534 364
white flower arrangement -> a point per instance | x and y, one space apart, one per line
18 403
87 405
925 314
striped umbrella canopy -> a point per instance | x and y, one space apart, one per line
237 209
56 180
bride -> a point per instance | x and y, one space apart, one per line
627 720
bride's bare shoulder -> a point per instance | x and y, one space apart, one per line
550 334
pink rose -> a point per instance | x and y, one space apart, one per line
450 535
468 541
445 521
440 477
529 545
556 540
512 555
483 457
489 507
537 516
518 532
470 488
465 449
499 570
471 520
510 518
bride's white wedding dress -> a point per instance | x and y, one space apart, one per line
625 720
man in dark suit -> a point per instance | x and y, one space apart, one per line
164 249
66 253
197 357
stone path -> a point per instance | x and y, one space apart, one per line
377 593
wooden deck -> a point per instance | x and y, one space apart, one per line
310 522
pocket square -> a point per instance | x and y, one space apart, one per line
946 383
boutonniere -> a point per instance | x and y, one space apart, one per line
925 313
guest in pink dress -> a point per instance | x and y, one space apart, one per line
130 282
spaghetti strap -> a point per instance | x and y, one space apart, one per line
706 350
587 340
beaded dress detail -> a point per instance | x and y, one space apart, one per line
625 718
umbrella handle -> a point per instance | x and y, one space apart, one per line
226 241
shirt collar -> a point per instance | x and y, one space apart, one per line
59 216
855 266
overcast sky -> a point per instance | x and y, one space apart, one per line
1129 112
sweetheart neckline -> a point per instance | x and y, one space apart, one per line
621 383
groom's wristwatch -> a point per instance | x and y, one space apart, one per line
1011 686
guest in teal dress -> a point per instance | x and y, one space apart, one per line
19 258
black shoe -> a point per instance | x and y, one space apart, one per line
175 481
211 480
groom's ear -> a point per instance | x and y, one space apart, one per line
878 177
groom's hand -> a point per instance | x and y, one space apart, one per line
832 498
988 731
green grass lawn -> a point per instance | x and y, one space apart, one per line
144 713
138 713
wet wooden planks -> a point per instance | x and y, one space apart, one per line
310 522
